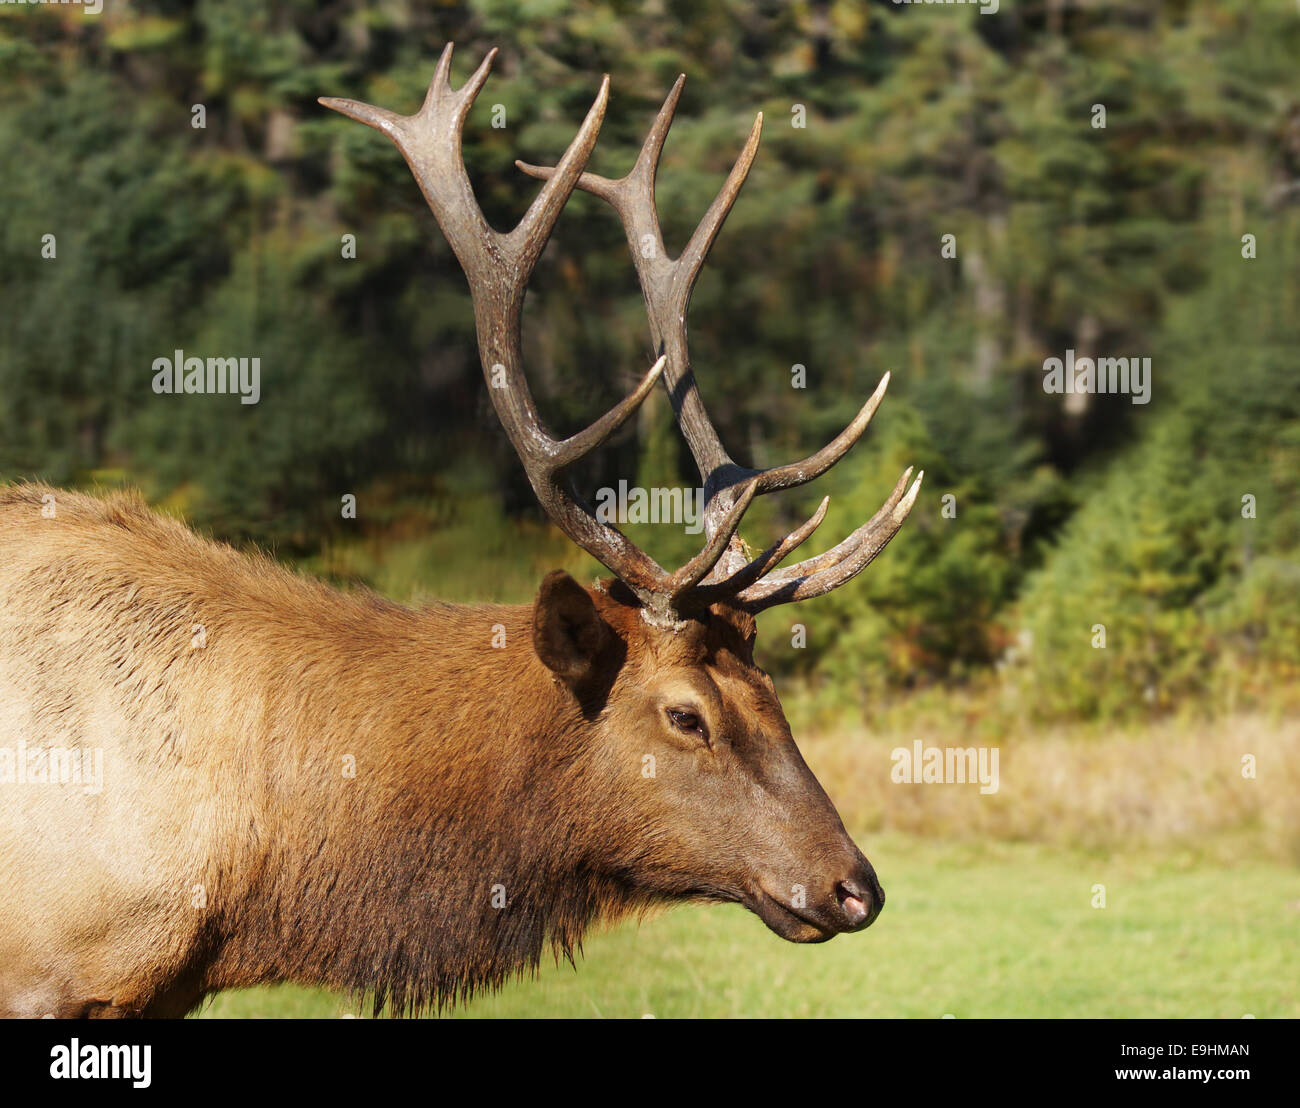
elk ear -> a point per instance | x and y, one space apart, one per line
568 632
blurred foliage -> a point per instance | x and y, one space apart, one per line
920 122
1185 551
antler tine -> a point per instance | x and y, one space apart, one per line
818 576
697 248
538 222
498 267
691 574
800 473
585 441
429 140
772 556
840 551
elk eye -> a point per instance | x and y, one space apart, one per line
689 722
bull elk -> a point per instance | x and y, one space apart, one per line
498 804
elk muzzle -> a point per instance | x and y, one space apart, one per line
845 897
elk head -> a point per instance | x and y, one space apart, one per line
660 662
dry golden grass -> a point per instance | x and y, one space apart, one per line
1174 784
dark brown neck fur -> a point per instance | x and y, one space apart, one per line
383 885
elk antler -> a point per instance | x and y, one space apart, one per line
498 267
666 285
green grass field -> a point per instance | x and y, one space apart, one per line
974 930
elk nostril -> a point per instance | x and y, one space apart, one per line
852 904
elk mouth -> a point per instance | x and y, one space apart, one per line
792 924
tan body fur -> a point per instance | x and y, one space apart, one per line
224 772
